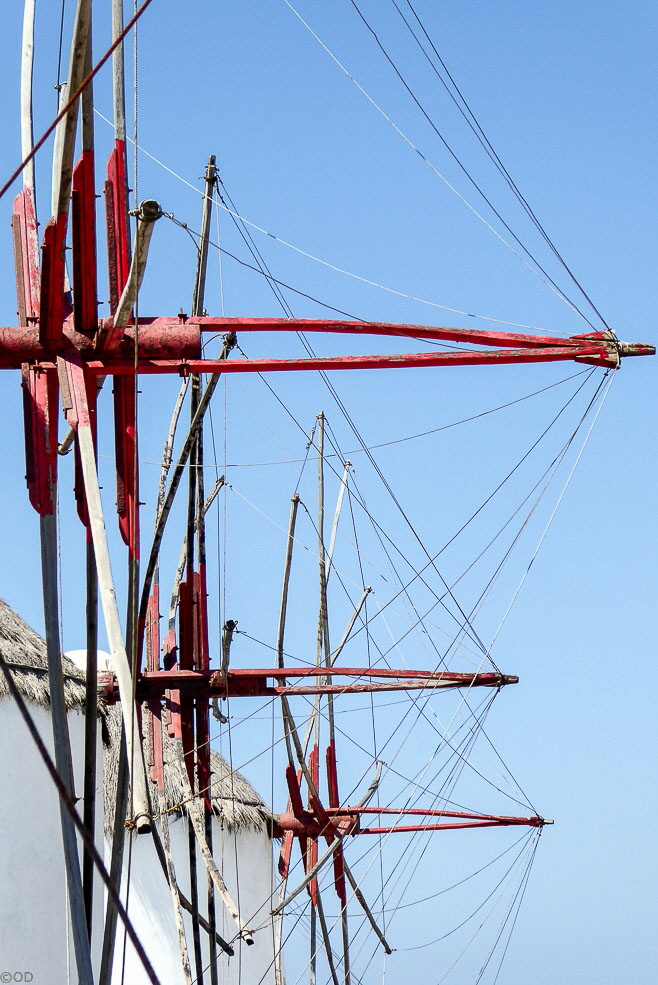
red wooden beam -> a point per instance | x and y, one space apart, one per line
78 485
40 405
51 302
202 709
334 802
310 826
594 353
154 719
531 822
173 345
22 344
117 225
252 682
439 332
429 812
127 477
83 236
26 256
186 662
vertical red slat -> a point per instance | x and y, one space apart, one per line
51 302
332 785
172 697
202 706
154 712
26 249
186 662
312 851
118 251
40 404
332 775
284 854
118 229
78 485
292 779
125 439
83 236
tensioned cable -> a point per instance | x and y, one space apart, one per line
275 284
467 173
439 599
390 561
552 516
361 501
418 779
326 263
393 441
250 243
551 471
341 406
58 86
389 490
406 850
521 896
359 438
518 899
470 118
422 788
455 764
513 865
518 787
433 168
496 573
461 882
477 931
357 630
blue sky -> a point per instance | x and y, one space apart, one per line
566 94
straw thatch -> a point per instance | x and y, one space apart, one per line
25 652
234 801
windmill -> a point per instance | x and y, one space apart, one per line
165 685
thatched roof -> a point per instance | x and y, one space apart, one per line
233 798
25 652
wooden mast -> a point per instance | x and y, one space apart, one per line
84 225
51 298
195 588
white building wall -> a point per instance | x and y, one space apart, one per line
245 861
35 934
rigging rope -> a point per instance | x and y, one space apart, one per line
435 170
467 173
465 110
325 263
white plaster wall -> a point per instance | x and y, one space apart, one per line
34 925
245 861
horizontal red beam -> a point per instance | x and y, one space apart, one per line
172 345
252 682
22 345
307 825
439 675
439 332
598 354
419 811
531 822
